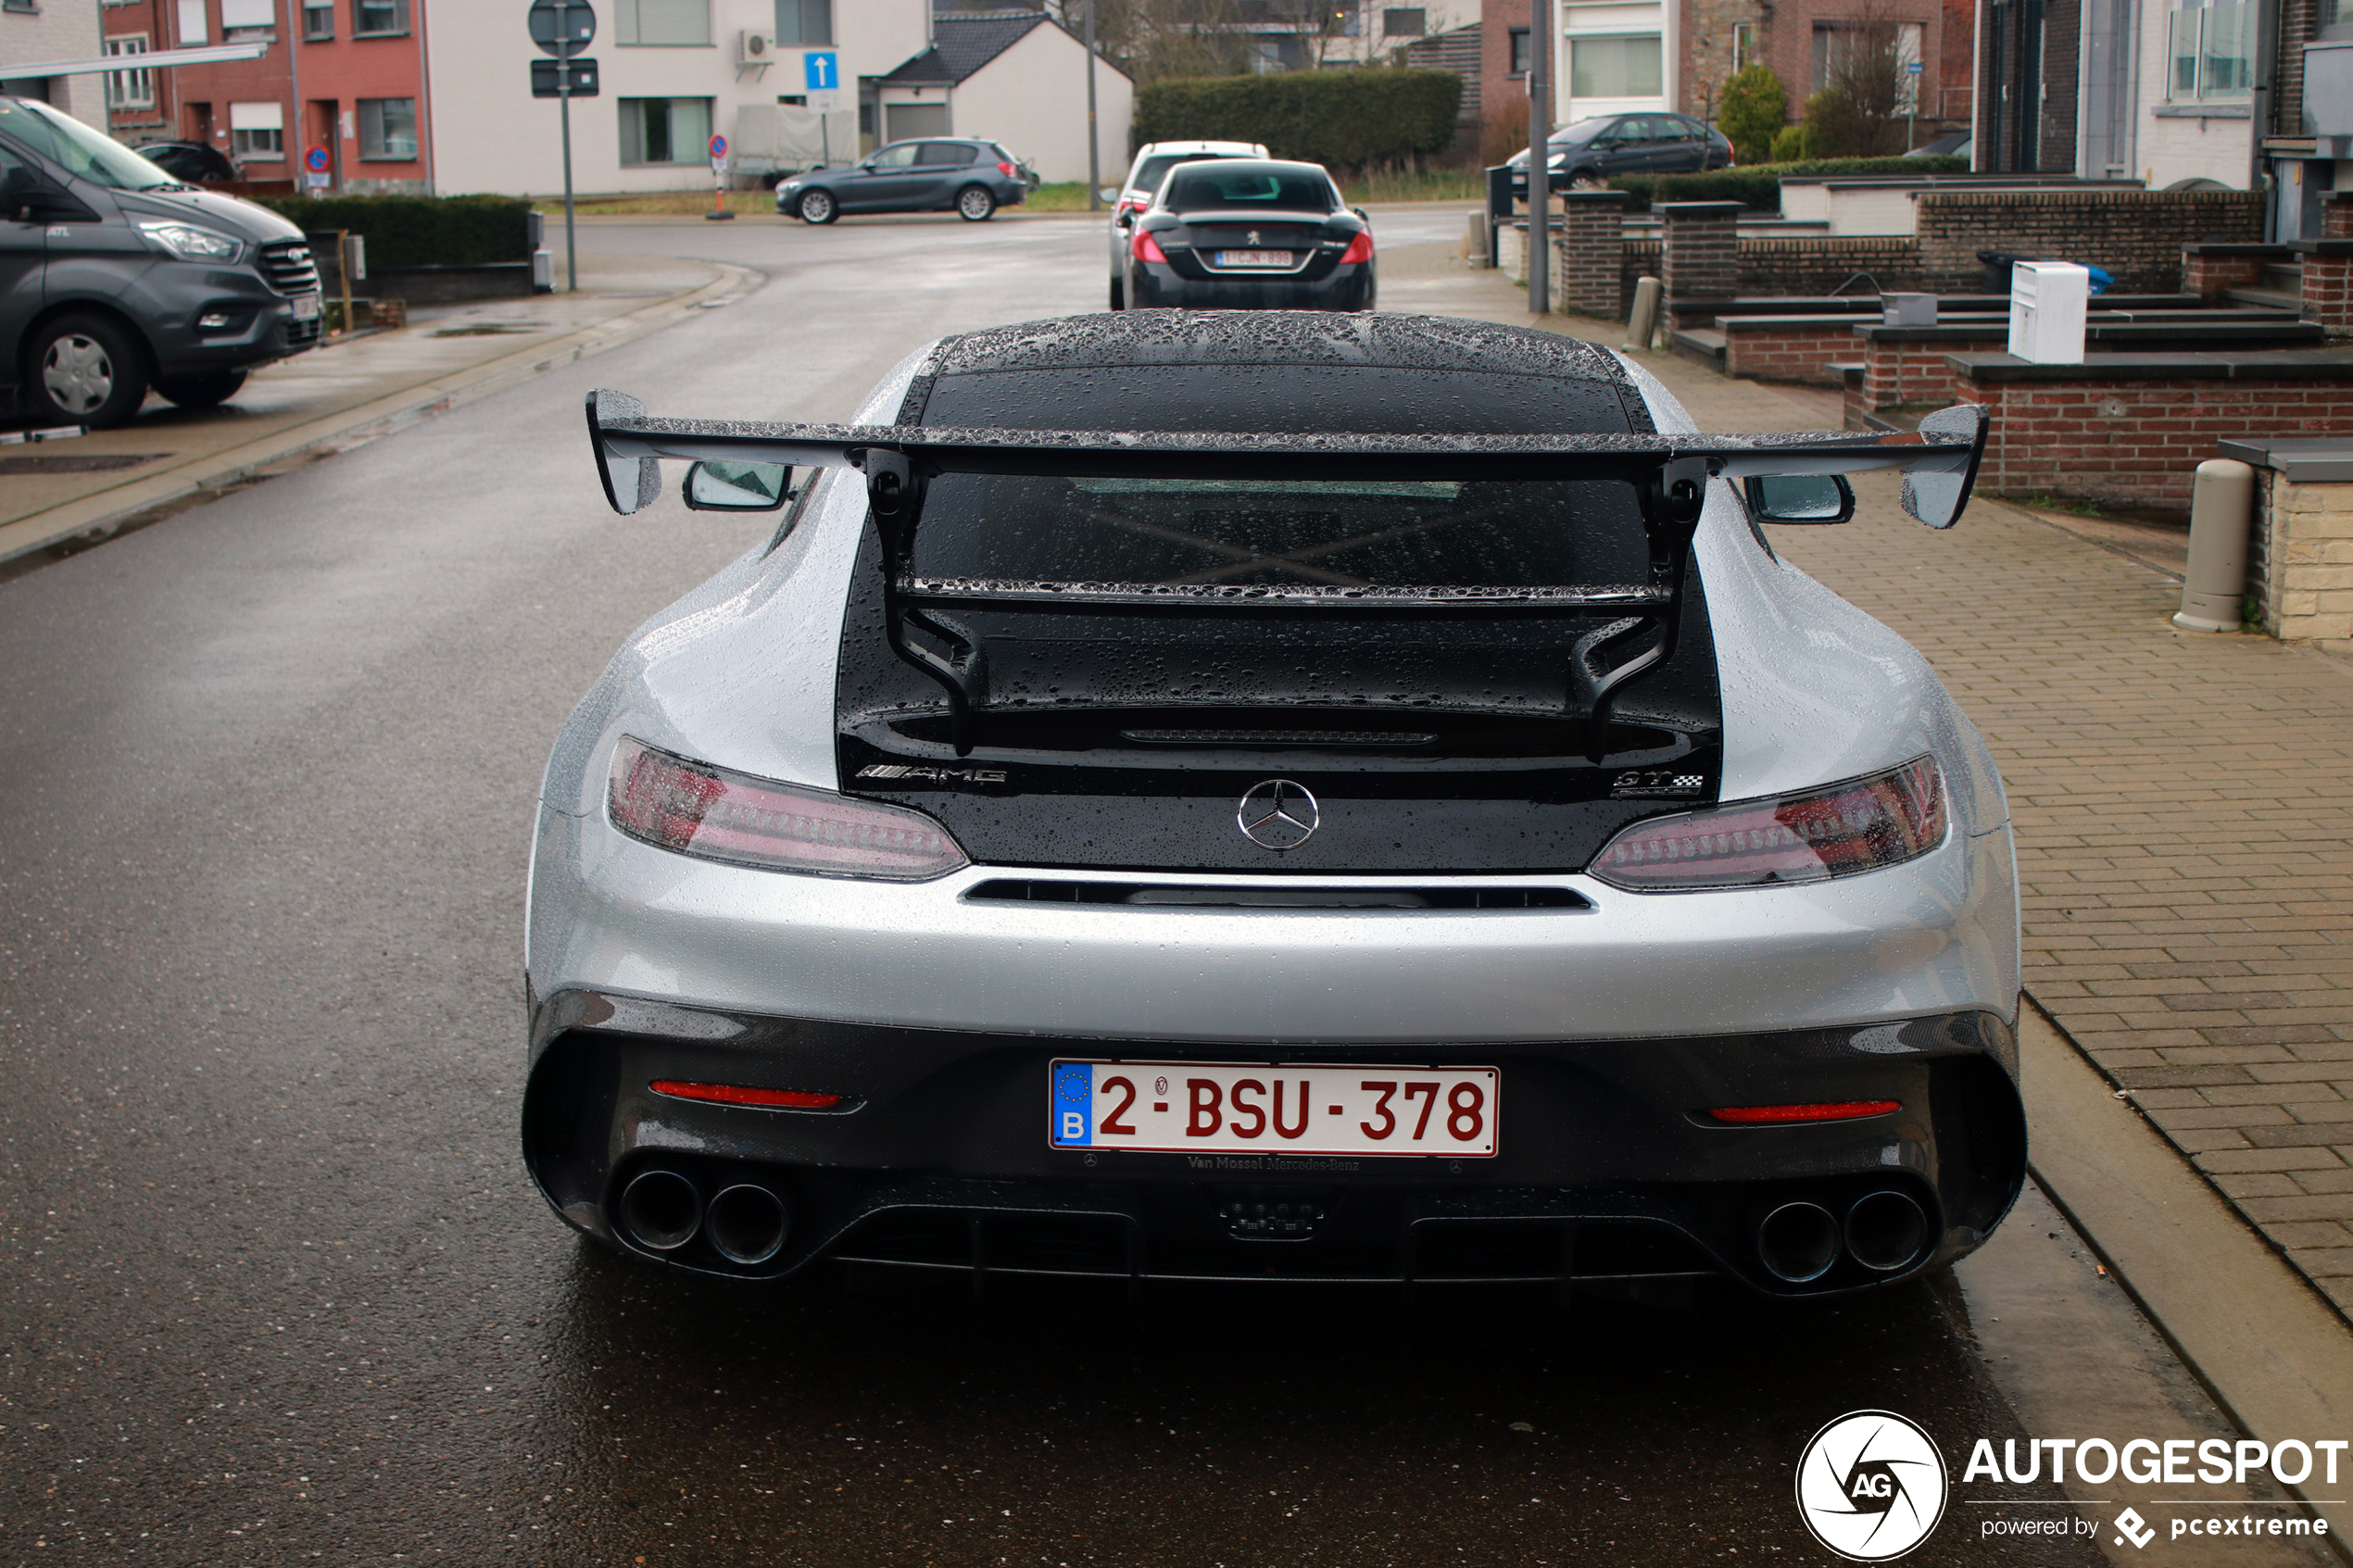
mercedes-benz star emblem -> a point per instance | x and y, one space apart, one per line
1279 814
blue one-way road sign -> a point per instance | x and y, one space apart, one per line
820 70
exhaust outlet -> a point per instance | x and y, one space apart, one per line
660 1210
1798 1242
1886 1230
747 1223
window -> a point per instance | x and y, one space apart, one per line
947 155
902 156
2212 51
258 131
804 21
657 130
240 20
318 21
1404 22
1220 183
1519 51
1614 67
388 129
192 22
1844 50
379 19
1744 45
661 21
130 89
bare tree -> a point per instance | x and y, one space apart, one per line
1860 112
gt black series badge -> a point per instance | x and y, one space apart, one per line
1279 814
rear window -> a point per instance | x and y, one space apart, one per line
1218 186
1152 170
1327 536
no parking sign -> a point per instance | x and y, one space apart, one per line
718 155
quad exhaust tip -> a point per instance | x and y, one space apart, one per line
745 1223
1798 1242
1885 1230
660 1210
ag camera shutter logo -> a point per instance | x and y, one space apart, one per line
1871 1486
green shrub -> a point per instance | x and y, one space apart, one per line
1759 185
420 231
1792 144
1751 111
1342 119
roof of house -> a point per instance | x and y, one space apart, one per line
962 45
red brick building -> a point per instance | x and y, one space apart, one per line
346 78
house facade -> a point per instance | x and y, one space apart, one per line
343 80
32 35
1019 79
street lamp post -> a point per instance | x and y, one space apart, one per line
1539 173
1094 165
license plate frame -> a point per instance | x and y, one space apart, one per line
1258 260
305 308
1340 1109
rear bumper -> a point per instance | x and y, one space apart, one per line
1610 1173
1154 285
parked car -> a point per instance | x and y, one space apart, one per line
1153 160
970 177
1357 799
191 162
115 277
1250 235
1594 151
1953 143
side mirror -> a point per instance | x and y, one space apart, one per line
1800 498
714 485
1109 193
17 187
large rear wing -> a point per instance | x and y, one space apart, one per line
1669 473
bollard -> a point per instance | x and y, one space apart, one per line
1642 323
1478 248
2221 506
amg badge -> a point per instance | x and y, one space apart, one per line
938 775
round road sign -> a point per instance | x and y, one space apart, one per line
315 160
562 28
718 149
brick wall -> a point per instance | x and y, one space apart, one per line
1703 252
2134 443
2206 275
1801 352
2301 559
1592 253
2136 235
1900 372
1816 265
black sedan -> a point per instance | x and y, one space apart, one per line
1252 234
190 161
1593 151
970 177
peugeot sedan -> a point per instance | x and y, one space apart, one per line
1153 160
1250 235
1259 795
972 179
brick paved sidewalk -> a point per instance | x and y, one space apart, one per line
2184 830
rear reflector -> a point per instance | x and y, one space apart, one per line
1824 1111
741 1094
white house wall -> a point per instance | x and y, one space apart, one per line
490 134
2173 148
1582 20
1033 98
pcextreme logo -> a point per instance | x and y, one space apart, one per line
1871 1486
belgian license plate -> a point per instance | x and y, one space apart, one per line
1254 259
1191 1107
305 308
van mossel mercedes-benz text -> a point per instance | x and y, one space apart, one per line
1275 796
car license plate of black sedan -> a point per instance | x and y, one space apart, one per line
1256 258
1243 1108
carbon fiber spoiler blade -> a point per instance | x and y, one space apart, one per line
1940 459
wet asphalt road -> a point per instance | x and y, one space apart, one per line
274 1288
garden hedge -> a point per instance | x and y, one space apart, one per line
1341 119
1759 185
420 231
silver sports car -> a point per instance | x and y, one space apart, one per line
1275 795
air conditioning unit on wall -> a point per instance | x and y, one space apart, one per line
755 48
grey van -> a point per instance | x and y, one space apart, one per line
115 278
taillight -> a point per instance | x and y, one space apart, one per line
1819 1110
1006 169
716 814
1127 205
1360 249
1145 248
744 1094
1863 826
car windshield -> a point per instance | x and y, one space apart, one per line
1152 170
1582 131
77 149
1212 535
1203 187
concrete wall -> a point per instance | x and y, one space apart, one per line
1033 99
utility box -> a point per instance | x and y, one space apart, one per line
2047 304
1907 309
